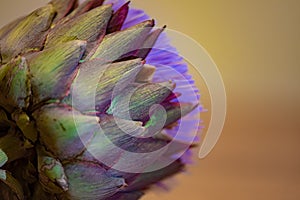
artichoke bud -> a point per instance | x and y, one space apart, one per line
136 100
16 90
77 98
51 173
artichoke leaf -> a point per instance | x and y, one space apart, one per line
135 101
53 70
93 87
88 181
87 27
63 130
15 85
118 44
118 18
29 34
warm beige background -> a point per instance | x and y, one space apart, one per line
256 45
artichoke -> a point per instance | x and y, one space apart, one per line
86 102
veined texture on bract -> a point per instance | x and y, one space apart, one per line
95 103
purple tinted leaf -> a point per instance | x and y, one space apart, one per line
118 19
88 181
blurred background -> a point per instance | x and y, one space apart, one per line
256 45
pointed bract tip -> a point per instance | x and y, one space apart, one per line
126 4
168 84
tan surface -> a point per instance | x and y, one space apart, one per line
257 47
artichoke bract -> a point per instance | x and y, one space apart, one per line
91 100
